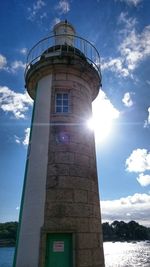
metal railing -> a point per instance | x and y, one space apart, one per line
48 44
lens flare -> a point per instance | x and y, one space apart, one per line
104 113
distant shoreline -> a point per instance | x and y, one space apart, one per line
117 231
6 245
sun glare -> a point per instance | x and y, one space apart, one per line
104 114
100 129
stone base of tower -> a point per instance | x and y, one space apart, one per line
72 199
86 248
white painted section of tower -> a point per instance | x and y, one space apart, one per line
64 34
34 198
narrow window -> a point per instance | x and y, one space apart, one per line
62 103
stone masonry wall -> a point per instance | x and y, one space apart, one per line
72 198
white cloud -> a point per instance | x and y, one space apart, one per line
115 65
14 103
127 99
138 161
23 50
3 62
144 180
17 139
148 82
43 15
135 207
134 48
37 6
147 122
128 22
63 7
25 139
104 113
16 65
132 2
103 104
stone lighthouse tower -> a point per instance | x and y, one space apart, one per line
60 222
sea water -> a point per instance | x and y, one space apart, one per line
6 257
124 254
117 254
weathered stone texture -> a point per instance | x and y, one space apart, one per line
88 240
72 199
64 157
84 258
80 196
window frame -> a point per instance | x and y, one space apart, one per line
62 99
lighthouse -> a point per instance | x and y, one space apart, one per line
60 220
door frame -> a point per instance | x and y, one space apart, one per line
43 245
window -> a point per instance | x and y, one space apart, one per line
62 103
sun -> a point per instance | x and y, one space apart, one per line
101 128
104 114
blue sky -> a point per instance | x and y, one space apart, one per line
120 30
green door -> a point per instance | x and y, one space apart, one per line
59 250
